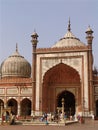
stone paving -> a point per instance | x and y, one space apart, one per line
88 125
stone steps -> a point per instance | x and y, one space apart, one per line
49 123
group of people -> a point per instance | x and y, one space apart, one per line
53 117
8 117
57 117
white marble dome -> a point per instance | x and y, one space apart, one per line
69 40
15 66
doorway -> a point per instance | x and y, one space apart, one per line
97 108
12 103
69 102
25 107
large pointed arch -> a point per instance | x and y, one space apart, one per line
59 75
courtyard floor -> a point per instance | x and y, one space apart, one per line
88 125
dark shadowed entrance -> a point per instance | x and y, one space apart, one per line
69 102
97 108
25 107
12 103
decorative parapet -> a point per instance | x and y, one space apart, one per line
16 81
62 49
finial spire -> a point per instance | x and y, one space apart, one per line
16 47
69 25
34 30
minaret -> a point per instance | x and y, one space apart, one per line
89 38
34 42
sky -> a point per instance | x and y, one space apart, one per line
19 19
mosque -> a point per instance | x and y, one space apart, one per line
64 71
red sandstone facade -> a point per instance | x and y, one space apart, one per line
63 71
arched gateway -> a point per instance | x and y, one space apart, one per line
61 81
12 103
25 107
69 102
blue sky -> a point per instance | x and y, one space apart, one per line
19 18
